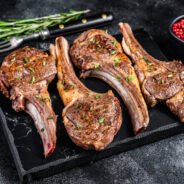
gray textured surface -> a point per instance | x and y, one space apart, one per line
161 162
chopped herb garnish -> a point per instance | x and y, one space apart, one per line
26 60
18 77
162 81
45 100
72 86
150 70
37 96
148 63
97 65
42 129
97 96
31 69
105 110
78 126
114 42
13 59
83 115
27 48
33 79
113 52
117 61
18 69
98 49
170 76
42 99
91 40
130 77
63 81
50 118
101 120
43 62
118 78
76 106
87 93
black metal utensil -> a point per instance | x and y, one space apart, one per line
84 23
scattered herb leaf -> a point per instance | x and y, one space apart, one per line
76 106
170 76
17 69
43 62
113 52
150 70
33 79
13 59
162 81
18 77
101 120
130 77
114 42
27 48
118 78
63 82
31 69
97 65
98 96
78 126
91 40
117 61
25 60
50 118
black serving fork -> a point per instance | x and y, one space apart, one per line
82 24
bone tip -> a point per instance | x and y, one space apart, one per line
125 25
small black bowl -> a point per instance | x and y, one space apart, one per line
178 43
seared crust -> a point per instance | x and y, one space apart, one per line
92 123
24 77
25 63
91 119
99 54
160 81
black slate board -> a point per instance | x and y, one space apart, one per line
26 147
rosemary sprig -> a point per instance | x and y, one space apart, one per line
28 26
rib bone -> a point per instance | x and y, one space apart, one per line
99 55
159 80
91 119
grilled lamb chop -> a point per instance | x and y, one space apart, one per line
24 77
99 55
91 119
160 81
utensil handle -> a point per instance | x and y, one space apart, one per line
97 20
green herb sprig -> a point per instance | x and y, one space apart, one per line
22 27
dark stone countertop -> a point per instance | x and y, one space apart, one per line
161 162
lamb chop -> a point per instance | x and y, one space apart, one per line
91 119
159 80
24 78
99 55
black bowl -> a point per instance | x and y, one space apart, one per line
178 43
